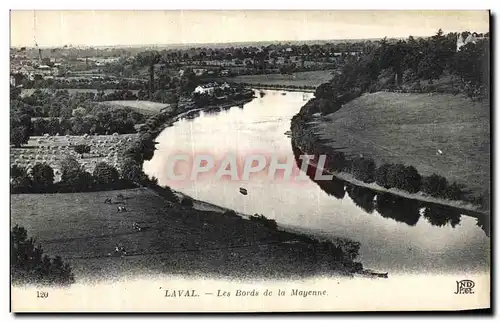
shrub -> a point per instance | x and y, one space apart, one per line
28 265
269 223
409 76
395 176
19 179
454 191
230 213
335 161
363 169
82 148
381 175
187 202
435 185
19 136
105 174
131 171
42 177
73 177
412 181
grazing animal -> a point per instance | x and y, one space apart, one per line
439 152
121 209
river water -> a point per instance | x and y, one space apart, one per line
397 236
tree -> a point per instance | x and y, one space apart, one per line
131 171
42 177
363 169
82 148
435 185
412 180
395 176
74 177
19 179
105 174
28 264
454 191
18 136
381 175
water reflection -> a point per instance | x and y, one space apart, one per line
389 206
400 209
362 197
442 216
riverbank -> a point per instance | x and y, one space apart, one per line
174 239
207 239
380 128
288 88
309 79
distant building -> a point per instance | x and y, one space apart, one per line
206 88
199 71
210 88
471 38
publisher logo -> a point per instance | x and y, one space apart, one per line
465 287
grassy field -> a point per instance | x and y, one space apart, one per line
145 107
53 149
84 231
313 78
29 91
410 128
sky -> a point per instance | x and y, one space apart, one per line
111 28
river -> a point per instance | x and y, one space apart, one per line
396 236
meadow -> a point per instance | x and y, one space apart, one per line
312 78
84 231
412 129
144 107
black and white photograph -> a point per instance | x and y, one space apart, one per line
250 160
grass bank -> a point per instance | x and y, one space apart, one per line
309 79
410 129
84 230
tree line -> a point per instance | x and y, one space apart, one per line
405 63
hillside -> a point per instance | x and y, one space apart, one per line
313 78
84 231
144 107
410 128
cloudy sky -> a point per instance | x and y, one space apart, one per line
101 28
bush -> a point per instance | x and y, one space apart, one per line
409 76
412 181
42 177
82 148
363 169
435 185
454 191
381 175
73 177
105 174
19 179
230 213
269 223
28 265
131 171
335 161
395 176
187 202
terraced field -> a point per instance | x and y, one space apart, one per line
53 149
